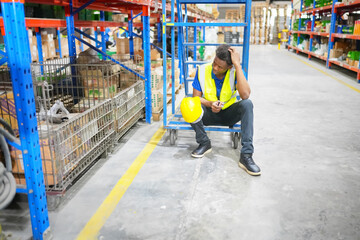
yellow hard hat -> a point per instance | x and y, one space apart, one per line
190 108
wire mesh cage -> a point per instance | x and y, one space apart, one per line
78 113
128 107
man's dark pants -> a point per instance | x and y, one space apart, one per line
239 111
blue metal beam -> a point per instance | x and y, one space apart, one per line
147 62
158 48
181 126
197 62
87 35
82 7
3 53
131 38
137 15
3 60
16 145
102 31
21 190
81 45
59 41
70 28
18 50
246 41
109 57
164 63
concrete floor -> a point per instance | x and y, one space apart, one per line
307 143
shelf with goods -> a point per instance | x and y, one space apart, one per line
311 29
340 34
53 152
343 46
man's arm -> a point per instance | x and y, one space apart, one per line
215 106
197 93
242 85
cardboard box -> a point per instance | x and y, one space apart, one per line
49 165
49 179
306 45
33 49
8 110
139 55
336 53
51 49
44 46
156 63
220 37
157 79
64 47
154 54
122 46
157 101
137 42
356 64
341 45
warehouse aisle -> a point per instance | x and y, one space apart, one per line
306 140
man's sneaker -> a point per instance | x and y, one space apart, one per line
247 163
201 150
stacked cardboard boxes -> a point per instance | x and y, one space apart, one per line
48 46
33 47
122 45
157 89
64 47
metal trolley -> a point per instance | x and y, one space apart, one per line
174 122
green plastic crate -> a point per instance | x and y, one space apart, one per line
108 16
82 15
88 14
59 12
354 55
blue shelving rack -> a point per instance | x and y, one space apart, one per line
19 59
69 13
334 10
182 25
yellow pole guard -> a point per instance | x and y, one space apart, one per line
279 36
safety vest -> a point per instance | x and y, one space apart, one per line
228 91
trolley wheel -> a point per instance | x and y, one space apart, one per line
173 136
235 137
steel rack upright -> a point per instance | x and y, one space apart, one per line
13 27
175 121
18 57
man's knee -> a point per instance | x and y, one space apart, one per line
246 104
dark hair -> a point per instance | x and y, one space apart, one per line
222 52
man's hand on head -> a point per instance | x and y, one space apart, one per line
235 56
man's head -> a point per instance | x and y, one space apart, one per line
222 61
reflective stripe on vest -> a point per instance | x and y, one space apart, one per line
228 91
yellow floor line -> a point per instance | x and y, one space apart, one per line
92 228
327 74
